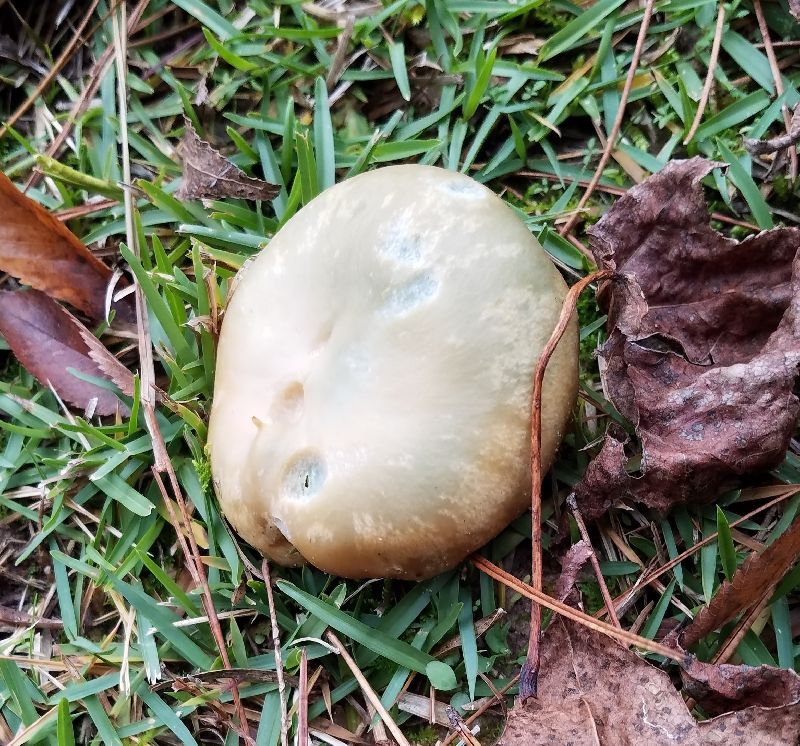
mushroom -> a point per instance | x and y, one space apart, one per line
371 413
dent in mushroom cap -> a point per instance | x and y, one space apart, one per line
374 376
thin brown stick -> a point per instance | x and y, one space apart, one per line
617 126
14 618
781 142
709 81
656 574
57 65
621 635
530 671
369 692
601 581
79 211
302 710
276 643
778 79
485 706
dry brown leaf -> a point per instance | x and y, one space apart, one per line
703 347
111 368
43 253
594 691
207 174
47 340
757 573
723 688
572 562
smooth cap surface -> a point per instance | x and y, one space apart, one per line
372 406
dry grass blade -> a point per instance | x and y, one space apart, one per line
628 596
369 692
709 81
617 126
302 710
531 668
620 635
276 644
161 458
62 60
758 571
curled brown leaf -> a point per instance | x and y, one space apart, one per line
48 341
207 174
703 346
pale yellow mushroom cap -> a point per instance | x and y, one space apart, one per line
374 373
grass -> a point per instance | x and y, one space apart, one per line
85 536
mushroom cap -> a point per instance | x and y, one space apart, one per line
371 412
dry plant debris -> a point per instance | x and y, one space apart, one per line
49 341
480 104
753 578
43 253
207 174
594 691
703 347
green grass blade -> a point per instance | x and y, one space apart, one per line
578 28
323 137
64 732
397 56
395 650
727 550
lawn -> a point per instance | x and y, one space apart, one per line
123 591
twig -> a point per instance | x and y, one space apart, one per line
54 70
458 725
776 76
302 710
14 618
601 581
485 706
709 81
530 671
789 140
621 635
276 642
369 692
615 129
